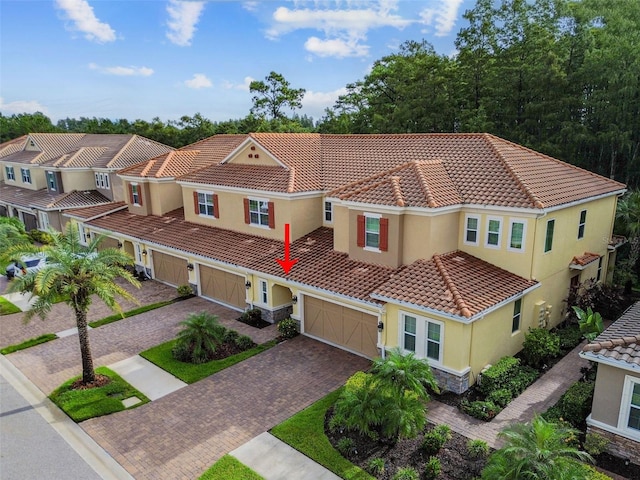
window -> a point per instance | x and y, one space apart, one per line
471 230
138 253
205 204
106 179
51 181
135 194
26 175
422 336
97 175
259 212
84 237
629 418
599 274
583 221
372 232
493 232
44 220
548 239
328 212
516 235
264 296
517 314
11 175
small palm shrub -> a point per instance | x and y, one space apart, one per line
376 466
199 338
432 469
231 336
244 342
435 439
288 328
406 473
539 346
477 449
345 446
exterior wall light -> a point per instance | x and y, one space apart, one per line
190 267
144 252
247 285
294 299
119 244
380 326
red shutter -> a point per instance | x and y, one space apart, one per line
216 209
131 194
361 230
140 195
384 234
272 215
247 218
196 207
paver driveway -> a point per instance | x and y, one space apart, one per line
180 435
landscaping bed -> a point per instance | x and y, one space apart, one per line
253 318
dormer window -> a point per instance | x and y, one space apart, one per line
135 194
11 174
51 181
259 212
373 232
26 175
328 212
206 204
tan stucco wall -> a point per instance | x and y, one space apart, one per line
165 197
303 215
145 208
425 236
117 188
393 256
242 156
78 180
340 228
608 394
37 176
280 295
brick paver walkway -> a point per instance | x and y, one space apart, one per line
536 399
182 434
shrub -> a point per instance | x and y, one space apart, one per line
595 444
498 376
406 473
288 328
432 469
376 466
252 316
539 346
345 446
483 410
432 442
444 431
244 342
41 237
231 336
570 336
199 338
184 291
500 397
524 377
575 404
477 449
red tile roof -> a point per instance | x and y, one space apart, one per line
447 169
620 342
45 200
456 283
585 259
90 213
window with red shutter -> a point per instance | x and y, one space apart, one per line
361 230
196 206
216 209
247 217
272 215
384 234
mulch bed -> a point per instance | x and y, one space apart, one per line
257 323
101 381
454 459
617 465
225 350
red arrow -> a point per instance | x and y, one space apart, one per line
287 263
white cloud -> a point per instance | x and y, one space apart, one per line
199 80
239 86
183 19
131 71
21 106
85 21
336 48
444 15
250 6
315 103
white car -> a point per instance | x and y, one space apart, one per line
32 263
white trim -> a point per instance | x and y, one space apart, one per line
524 235
625 407
500 221
468 216
544 240
583 225
378 217
213 203
421 336
250 191
259 213
325 211
618 193
263 290
621 364
247 141
609 428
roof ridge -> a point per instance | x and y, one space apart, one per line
292 180
614 342
121 151
523 186
431 201
460 303
150 163
397 191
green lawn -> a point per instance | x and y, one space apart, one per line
130 313
81 405
7 308
305 432
229 468
188 372
29 343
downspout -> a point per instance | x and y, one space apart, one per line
535 235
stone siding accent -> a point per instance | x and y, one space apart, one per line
619 446
274 316
450 382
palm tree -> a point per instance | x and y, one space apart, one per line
404 372
74 272
199 338
628 218
11 233
535 450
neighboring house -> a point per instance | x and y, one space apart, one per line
45 174
448 245
615 412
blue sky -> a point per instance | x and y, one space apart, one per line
167 58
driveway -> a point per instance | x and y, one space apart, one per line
182 434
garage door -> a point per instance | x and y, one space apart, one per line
223 286
341 326
30 222
108 242
170 269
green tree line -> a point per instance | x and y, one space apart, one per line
559 76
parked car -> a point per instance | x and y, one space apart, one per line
31 263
